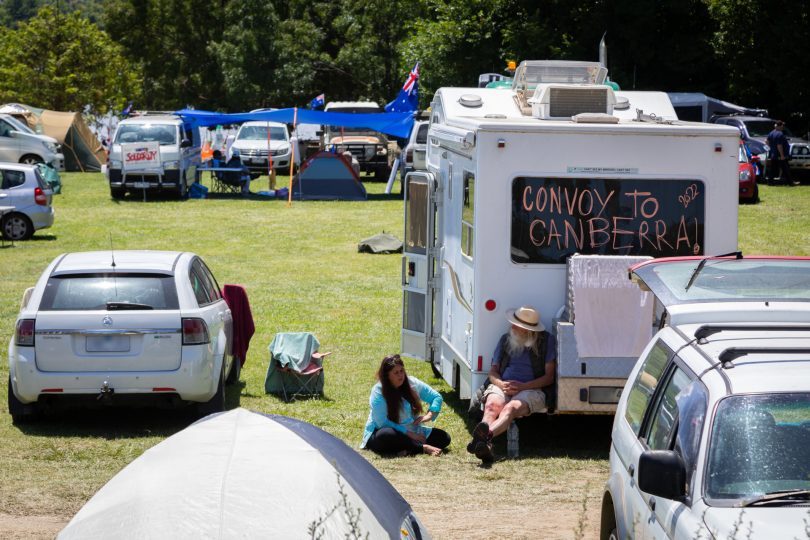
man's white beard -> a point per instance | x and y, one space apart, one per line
516 343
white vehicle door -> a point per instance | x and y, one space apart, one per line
418 268
633 510
212 309
9 145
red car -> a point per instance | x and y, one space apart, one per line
749 191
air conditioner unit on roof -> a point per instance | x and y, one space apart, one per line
562 101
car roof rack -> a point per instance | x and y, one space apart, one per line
707 330
732 353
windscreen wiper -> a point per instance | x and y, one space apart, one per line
702 263
121 306
779 497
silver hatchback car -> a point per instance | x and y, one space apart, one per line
25 201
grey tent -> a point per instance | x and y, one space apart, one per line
697 107
328 176
241 474
380 243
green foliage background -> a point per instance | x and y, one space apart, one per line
242 54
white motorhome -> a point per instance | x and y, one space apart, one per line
519 181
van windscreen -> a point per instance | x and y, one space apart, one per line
137 133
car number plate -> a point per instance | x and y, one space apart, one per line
141 184
104 343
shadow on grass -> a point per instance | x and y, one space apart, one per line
541 435
120 421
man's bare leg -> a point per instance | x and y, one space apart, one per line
512 410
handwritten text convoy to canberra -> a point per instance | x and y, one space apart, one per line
553 218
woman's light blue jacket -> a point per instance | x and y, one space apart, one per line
378 416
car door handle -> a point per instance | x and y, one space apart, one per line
632 470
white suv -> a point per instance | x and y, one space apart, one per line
112 326
711 437
258 140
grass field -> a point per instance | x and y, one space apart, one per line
302 271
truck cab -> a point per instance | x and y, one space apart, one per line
369 147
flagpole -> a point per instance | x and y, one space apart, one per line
292 158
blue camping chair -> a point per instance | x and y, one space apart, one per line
296 366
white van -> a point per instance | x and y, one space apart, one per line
153 153
20 144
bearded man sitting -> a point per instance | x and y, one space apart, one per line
523 365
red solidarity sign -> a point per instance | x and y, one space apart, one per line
142 155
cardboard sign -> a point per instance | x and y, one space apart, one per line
139 156
553 218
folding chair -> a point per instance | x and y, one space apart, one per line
305 383
227 182
296 367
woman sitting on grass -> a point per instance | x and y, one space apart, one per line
395 424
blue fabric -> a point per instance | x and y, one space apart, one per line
398 124
520 366
378 415
294 349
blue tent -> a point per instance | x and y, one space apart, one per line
398 124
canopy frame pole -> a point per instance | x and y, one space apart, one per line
292 158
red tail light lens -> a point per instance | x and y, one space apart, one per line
39 197
24 336
409 155
195 332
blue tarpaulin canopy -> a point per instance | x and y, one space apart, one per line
398 124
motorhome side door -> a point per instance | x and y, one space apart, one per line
417 265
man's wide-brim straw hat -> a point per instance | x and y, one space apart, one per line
525 317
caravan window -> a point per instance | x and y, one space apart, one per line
553 218
467 214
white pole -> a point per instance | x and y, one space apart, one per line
394 169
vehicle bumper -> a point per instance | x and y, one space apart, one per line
40 216
259 164
57 161
196 379
170 179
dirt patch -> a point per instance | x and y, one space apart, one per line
30 527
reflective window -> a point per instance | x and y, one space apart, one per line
95 291
199 286
666 414
692 403
135 133
759 444
12 179
468 214
645 384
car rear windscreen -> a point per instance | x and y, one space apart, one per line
78 292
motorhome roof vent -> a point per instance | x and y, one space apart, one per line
561 102
622 103
495 116
472 101
595 118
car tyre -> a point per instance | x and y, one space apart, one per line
31 159
217 402
117 193
236 371
182 190
20 412
17 226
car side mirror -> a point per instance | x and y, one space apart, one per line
185 143
662 473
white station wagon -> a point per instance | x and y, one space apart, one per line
711 437
118 325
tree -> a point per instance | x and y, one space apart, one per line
64 62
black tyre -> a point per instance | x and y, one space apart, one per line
755 199
31 159
254 176
17 227
117 193
217 402
182 190
236 371
20 412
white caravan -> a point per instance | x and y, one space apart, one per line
519 181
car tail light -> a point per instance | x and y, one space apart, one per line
39 197
24 336
409 155
195 332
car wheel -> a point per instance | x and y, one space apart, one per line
755 198
30 159
17 227
217 402
117 193
614 534
236 370
20 412
182 190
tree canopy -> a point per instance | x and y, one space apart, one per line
244 54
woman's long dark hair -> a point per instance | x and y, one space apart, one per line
394 396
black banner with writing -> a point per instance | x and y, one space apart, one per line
553 218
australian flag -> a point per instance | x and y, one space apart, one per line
317 102
408 98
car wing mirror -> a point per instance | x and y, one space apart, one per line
185 143
662 473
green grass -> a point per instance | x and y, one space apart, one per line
302 271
